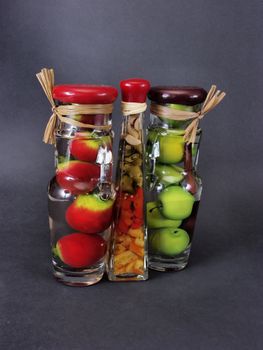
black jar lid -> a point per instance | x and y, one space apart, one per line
184 95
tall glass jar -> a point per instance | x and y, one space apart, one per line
173 185
81 195
128 258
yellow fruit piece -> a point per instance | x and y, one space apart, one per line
131 140
137 124
136 233
138 148
126 167
138 266
124 258
137 162
135 172
135 266
126 242
119 238
130 267
133 132
126 184
119 248
139 242
118 270
136 249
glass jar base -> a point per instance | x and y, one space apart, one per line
166 267
83 278
127 277
178 263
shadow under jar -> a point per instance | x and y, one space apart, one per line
81 195
173 185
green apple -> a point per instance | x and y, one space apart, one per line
168 174
169 241
176 202
154 241
156 220
181 107
153 135
171 148
175 123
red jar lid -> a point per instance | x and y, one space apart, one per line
184 95
134 90
85 94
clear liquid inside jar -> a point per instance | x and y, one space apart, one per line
173 193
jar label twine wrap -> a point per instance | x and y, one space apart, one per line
46 79
129 108
213 98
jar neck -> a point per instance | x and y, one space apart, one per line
166 123
158 129
96 120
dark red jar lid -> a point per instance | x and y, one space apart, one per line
134 90
85 94
184 95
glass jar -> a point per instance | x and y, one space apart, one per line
173 185
81 195
128 258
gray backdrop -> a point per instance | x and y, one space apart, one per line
216 302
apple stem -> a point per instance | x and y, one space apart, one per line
157 207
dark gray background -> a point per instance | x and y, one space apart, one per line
216 303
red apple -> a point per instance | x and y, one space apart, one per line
80 250
86 149
78 177
90 214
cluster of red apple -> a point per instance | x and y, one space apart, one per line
88 213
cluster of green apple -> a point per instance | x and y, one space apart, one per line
174 203
164 217
167 149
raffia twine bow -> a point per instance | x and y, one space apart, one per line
213 98
46 79
129 108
